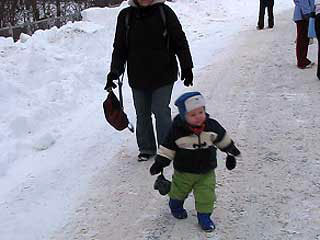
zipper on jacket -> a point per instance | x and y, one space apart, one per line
200 145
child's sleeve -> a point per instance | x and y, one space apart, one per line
223 141
165 154
167 150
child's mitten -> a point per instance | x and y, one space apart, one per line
231 162
156 168
158 165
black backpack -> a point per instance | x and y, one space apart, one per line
163 18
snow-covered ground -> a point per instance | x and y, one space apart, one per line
57 153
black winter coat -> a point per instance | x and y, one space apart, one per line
150 64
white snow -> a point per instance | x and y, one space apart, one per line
53 137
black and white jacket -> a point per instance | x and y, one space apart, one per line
194 153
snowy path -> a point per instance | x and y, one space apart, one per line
271 109
274 194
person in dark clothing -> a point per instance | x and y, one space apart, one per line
263 5
148 37
191 144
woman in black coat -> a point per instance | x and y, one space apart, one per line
148 37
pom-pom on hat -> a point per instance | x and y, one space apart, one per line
188 102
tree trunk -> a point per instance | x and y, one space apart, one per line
44 9
58 8
2 13
35 10
13 12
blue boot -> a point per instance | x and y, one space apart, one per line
177 210
205 222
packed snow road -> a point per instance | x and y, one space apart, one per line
271 109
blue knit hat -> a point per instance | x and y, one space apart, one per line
188 102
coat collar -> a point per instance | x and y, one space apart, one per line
133 4
178 122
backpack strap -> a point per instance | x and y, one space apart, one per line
164 20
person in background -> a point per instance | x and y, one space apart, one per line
148 37
302 12
317 27
191 145
263 5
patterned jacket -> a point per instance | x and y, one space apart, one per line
194 153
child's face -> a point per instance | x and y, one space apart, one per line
144 3
196 117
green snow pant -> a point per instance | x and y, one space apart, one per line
203 186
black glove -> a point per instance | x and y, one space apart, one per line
313 14
159 163
110 78
231 162
156 168
187 76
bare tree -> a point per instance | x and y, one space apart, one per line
58 8
2 3
13 10
35 10
20 11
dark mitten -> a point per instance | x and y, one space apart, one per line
110 78
231 162
159 163
232 149
313 14
162 185
187 77
156 168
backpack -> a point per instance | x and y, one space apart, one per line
164 21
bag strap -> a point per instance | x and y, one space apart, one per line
120 83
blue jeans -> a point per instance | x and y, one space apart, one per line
147 102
